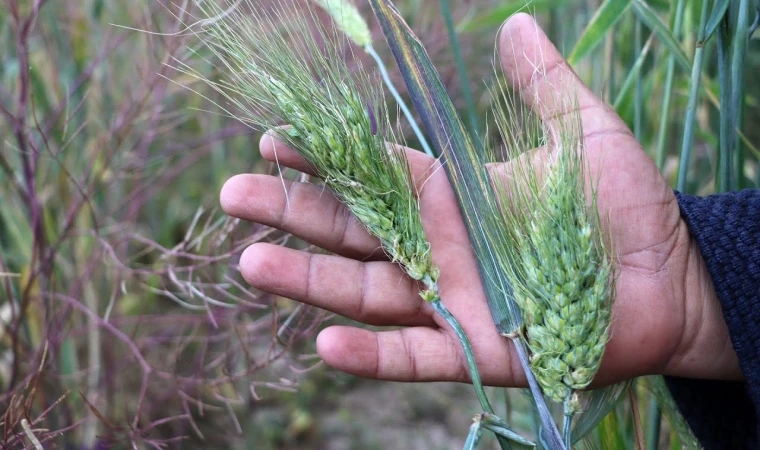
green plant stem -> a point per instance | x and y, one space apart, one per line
678 426
611 67
498 426
550 436
464 80
738 59
726 144
740 182
553 30
472 365
567 425
665 110
633 74
653 425
507 405
400 101
691 109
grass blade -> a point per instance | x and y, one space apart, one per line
653 424
464 79
649 17
473 437
600 402
719 10
611 62
500 428
658 388
495 16
638 94
665 110
606 16
633 74
691 109
638 431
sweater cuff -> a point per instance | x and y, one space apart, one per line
726 228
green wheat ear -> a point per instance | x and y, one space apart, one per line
557 260
565 291
282 67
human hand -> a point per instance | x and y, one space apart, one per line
666 318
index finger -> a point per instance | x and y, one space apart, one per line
421 165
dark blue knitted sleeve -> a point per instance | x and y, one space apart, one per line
726 228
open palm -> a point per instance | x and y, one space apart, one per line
666 318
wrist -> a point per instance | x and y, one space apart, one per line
704 349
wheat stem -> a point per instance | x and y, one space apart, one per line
464 79
550 436
691 108
567 421
654 424
399 100
469 355
472 365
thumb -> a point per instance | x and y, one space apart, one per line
537 71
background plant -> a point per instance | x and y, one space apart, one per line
104 164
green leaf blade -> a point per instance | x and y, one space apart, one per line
605 18
719 10
450 138
599 403
647 15
498 14
473 437
462 154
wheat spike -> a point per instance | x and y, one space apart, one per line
556 258
294 73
